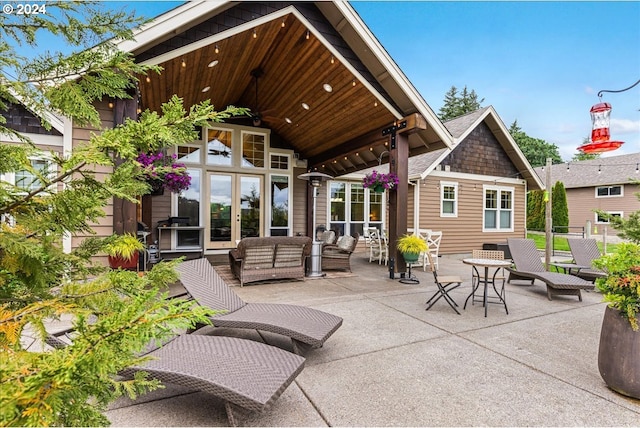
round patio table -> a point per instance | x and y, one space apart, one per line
486 280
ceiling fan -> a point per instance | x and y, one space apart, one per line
256 115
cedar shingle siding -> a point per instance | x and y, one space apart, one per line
22 120
480 153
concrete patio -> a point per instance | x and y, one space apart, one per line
394 364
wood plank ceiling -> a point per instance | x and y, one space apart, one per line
340 130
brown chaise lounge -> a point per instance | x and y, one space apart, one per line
245 373
307 327
584 252
529 266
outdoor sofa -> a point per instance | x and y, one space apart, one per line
273 257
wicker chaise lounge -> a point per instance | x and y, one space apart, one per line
528 265
248 374
307 327
584 252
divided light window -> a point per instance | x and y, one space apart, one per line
448 199
602 220
608 191
253 150
498 209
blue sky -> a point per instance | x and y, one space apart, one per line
541 63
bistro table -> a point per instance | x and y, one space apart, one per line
486 280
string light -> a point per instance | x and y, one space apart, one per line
636 168
599 169
148 79
217 49
353 82
283 24
567 166
255 34
308 35
184 64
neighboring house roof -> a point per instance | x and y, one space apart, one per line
460 127
613 170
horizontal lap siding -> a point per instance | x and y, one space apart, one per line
104 226
582 204
299 201
464 233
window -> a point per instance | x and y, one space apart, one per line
280 194
498 209
357 208
219 147
609 191
448 199
602 220
189 206
280 162
337 195
253 148
28 180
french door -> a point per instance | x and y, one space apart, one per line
235 208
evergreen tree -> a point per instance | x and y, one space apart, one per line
114 313
536 210
457 105
534 149
559 208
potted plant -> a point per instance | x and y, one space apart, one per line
410 246
123 251
379 181
619 350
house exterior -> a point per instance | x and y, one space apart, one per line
474 193
607 184
311 72
324 97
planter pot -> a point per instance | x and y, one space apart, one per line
619 354
411 257
116 262
157 188
378 189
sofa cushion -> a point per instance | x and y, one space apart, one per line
345 242
288 255
259 257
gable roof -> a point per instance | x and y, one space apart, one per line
613 170
298 47
421 166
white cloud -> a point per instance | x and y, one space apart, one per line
624 126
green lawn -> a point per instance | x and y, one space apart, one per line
561 244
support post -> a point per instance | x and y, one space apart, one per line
398 164
548 217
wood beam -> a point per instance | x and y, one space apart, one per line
398 164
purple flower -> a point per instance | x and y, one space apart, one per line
157 166
375 179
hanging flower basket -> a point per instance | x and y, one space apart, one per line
380 182
163 172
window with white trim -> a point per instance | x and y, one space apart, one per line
602 220
448 199
497 214
609 191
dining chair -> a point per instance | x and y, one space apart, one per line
433 242
379 247
445 284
